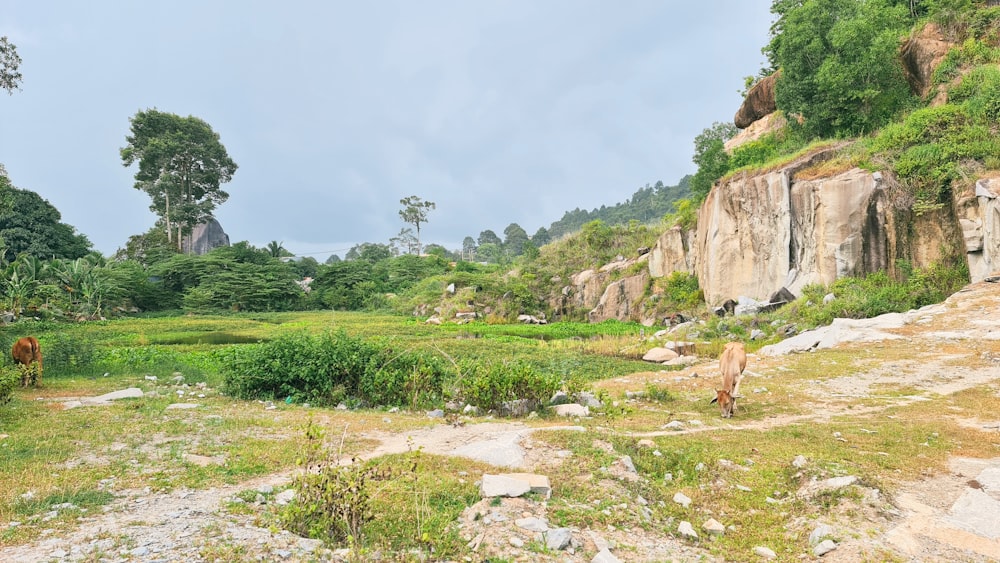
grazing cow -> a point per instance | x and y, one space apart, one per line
732 363
25 352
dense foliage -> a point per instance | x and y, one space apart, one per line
839 62
30 225
647 205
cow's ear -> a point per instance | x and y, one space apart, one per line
716 398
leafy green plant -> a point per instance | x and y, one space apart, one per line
490 385
333 501
10 377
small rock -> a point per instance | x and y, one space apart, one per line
686 530
673 425
646 443
826 546
713 528
571 409
764 552
626 462
799 462
284 497
436 413
682 499
533 524
822 531
558 539
605 556
516 541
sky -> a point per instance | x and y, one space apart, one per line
498 112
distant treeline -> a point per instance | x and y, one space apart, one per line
647 205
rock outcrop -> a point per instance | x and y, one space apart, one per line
920 55
758 103
981 230
759 233
205 236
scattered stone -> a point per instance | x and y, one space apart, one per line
673 425
682 499
558 539
686 530
532 524
588 399
514 485
821 532
832 484
516 541
826 546
799 462
470 410
626 462
764 552
284 497
560 398
182 406
605 556
713 528
659 355
646 443
571 409
436 413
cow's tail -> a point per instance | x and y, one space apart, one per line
34 347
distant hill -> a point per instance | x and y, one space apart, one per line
647 205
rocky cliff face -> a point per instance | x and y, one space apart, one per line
759 233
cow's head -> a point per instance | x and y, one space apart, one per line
726 402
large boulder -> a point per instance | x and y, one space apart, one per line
758 103
205 236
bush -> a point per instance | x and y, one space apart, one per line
331 368
10 377
489 386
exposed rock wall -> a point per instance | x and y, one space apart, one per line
982 232
759 233
621 299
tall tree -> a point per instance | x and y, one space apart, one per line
182 165
10 66
32 225
489 237
277 250
514 240
711 157
415 212
468 248
541 237
405 242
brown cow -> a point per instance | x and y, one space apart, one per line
732 362
24 352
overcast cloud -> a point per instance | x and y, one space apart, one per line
499 112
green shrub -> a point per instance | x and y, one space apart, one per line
412 378
490 385
10 377
330 368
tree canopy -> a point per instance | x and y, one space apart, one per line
182 165
415 212
839 62
33 226
10 66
